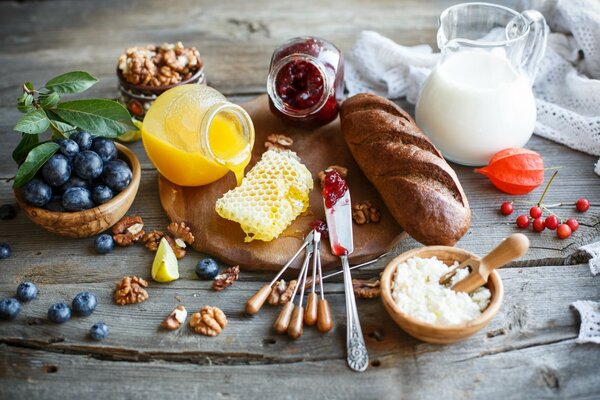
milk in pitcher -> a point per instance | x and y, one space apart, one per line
475 104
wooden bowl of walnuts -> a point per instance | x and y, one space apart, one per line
146 72
91 221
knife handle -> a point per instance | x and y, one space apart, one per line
254 304
310 314
357 356
283 320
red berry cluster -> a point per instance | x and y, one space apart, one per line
552 222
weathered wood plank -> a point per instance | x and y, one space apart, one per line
535 312
557 370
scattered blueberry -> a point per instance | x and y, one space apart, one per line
87 164
74 181
207 269
99 331
5 251
101 194
84 303
7 211
117 175
59 313
105 148
37 193
104 244
77 199
68 148
56 170
27 291
9 308
83 140
55 204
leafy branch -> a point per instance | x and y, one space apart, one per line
43 111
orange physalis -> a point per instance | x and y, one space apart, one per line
515 171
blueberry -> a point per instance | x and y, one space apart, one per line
207 269
74 181
101 194
87 165
7 211
117 175
37 193
55 204
77 199
105 148
27 291
104 244
68 147
5 251
56 170
99 331
59 313
84 303
9 308
83 140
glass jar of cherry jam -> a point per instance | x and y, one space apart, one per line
306 82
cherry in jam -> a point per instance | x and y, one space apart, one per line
334 188
320 226
300 84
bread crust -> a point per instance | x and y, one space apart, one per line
419 188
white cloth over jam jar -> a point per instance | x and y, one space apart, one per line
306 82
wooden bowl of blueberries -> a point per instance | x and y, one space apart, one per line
84 188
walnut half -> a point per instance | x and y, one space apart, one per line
364 213
128 231
282 292
210 321
366 289
130 290
279 142
227 278
174 320
340 170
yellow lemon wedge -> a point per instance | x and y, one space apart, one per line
132 136
165 267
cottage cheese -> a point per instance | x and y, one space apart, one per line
417 292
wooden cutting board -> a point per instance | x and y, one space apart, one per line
318 149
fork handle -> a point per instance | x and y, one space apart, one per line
357 356
509 249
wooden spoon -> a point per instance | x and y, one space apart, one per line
509 249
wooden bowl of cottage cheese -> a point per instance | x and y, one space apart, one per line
428 311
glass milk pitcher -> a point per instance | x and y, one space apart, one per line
478 100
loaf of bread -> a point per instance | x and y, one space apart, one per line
419 188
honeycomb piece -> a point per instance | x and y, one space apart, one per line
273 193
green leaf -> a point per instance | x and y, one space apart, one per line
28 86
34 161
100 117
48 100
24 103
33 122
27 143
71 82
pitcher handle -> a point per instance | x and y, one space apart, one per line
537 40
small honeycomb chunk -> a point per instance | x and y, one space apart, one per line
273 193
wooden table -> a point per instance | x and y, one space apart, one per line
528 351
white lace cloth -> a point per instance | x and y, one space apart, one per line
567 85
590 321
567 91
